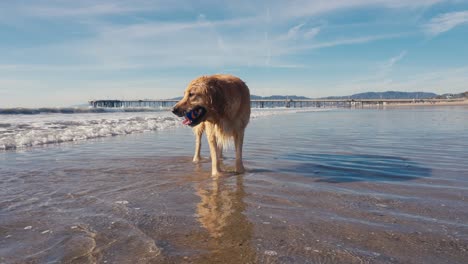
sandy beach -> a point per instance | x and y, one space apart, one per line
339 186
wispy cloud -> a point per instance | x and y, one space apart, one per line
384 71
65 45
300 31
202 41
392 61
304 8
349 41
311 33
379 80
445 22
85 8
293 32
93 10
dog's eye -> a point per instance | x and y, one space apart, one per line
191 94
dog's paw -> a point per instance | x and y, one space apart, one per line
239 169
217 174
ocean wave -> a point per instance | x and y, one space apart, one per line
22 135
72 110
21 131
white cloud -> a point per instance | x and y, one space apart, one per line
380 79
206 44
293 32
384 72
302 8
202 42
392 61
347 41
311 33
92 10
82 8
298 32
119 36
445 22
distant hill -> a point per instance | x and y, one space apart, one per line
453 96
367 95
387 95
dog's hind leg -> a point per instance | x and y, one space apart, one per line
220 152
239 141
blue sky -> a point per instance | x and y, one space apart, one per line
59 53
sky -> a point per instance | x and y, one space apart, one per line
62 53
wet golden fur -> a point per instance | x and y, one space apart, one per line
227 101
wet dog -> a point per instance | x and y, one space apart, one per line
221 105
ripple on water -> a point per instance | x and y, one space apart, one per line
354 167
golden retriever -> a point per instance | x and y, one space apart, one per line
221 104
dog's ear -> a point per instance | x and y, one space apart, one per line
216 96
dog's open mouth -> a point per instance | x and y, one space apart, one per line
194 116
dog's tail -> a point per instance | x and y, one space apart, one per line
224 137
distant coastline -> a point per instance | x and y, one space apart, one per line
373 95
419 98
365 95
455 102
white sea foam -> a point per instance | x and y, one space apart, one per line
72 110
26 130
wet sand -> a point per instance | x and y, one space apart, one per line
362 186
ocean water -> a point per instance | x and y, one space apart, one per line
20 128
335 186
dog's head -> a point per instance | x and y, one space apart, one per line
200 102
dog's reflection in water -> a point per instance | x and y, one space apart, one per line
221 212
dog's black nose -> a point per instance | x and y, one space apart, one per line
176 111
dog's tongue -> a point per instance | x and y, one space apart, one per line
187 121
190 116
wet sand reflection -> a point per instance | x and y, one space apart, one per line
221 212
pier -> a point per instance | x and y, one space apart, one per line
265 103
133 103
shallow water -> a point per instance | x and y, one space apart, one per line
37 128
346 186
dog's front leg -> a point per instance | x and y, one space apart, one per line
198 135
211 136
196 156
